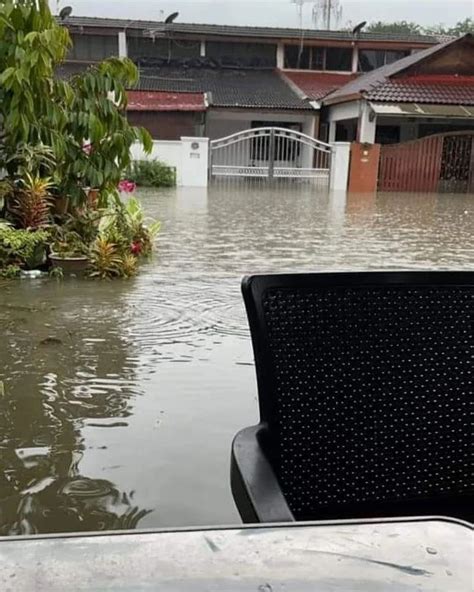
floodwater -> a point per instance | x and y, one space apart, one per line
119 400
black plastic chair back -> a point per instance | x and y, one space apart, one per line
365 382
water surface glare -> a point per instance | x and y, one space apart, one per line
120 399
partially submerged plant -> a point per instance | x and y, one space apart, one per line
69 245
22 248
30 203
105 262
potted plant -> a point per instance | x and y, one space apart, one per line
70 253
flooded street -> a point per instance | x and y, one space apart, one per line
120 399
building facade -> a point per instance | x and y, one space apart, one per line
244 76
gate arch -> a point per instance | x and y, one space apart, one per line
270 153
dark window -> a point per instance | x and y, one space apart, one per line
318 58
394 56
387 134
297 57
242 54
141 48
339 59
370 59
93 48
346 131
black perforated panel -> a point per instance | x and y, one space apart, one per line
372 390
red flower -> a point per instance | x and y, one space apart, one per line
136 248
127 186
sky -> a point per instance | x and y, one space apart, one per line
273 12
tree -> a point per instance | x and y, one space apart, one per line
31 46
39 110
410 28
461 28
398 27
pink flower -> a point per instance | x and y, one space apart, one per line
136 248
127 186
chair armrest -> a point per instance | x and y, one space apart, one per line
255 487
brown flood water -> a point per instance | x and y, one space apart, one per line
120 399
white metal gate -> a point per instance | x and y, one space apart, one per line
270 153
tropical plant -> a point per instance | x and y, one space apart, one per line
98 137
10 272
128 228
69 244
105 262
31 160
6 189
31 202
84 222
37 108
129 266
22 248
32 46
151 173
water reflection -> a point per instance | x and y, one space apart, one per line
57 377
121 398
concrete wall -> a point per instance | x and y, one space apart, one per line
339 173
189 156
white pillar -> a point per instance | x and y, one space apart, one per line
122 43
367 124
339 174
355 59
194 162
332 131
280 56
202 49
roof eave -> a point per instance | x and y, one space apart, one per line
342 99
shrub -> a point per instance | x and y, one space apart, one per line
22 248
152 173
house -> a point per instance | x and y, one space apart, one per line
411 122
241 77
429 92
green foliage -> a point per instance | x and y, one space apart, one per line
124 236
57 273
397 27
461 28
410 28
22 248
37 109
151 173
32 46
33 160
10 272
97 114
126 226
105 260
69 244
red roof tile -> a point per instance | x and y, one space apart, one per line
165 101
445 90
316 85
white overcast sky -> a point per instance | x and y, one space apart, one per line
272 12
